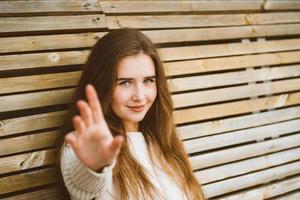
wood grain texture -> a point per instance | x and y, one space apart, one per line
32 123
204 20
66 58
282 5
242 136
28 180
49 6
234 108
182 6
270 190
235 123
27 161
234 154
21 24
252 179
28 142
52 193
247 166
83 40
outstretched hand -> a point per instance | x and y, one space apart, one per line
93 144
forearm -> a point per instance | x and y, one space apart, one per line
82 182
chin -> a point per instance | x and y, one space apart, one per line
136 118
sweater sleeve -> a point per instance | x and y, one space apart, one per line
82 182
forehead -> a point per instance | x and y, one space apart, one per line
140 65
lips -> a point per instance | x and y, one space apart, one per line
137 108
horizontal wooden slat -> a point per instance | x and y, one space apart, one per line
219 33
246 166
34 100
243 152
282 5
49 42
28 142
235 123
32 123
21 24
37 82
242 136
27 161
232 78
206 51
52 193
182 6
180 21
80 40
233 62
238 183
36 60
234 93
27 180
30 6
233 108
268 191
43 60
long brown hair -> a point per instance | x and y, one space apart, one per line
157 126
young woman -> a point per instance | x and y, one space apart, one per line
121 141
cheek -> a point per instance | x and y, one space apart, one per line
152 93
120 97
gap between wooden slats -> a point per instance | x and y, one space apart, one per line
247 166
242 152
235 123
268 191
51 193
235 108
242 136
252 179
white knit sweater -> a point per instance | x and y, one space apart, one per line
85 184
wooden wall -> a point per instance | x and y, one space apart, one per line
233 68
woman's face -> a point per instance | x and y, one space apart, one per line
135 91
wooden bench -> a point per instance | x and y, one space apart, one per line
233 68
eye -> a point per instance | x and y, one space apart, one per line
125 83
149 81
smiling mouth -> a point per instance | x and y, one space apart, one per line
136 108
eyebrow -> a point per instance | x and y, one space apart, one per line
126 79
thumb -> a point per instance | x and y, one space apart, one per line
71 139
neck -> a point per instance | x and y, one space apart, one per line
131 126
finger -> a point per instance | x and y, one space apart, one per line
94 103
78 124
71 139
116 144
85 112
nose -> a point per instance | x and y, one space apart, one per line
138 93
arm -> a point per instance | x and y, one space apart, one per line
82 182
89 151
